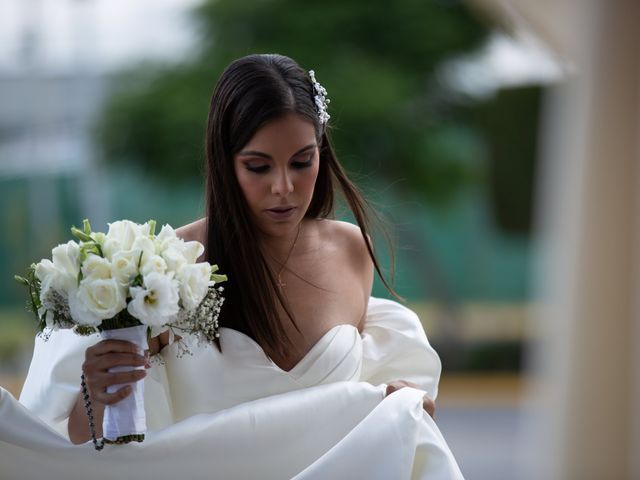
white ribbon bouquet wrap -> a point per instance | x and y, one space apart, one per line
126 419
123 284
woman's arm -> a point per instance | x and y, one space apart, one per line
357 257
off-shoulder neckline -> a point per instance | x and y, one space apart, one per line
302 360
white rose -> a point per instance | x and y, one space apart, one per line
174 257
121 236
79 311
47 274
194 282
96 267
65 257
155 263
166 238
124 266
192 251
144 246
156 303
103 297
66 262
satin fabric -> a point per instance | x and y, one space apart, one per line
238 415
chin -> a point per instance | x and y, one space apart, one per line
278 228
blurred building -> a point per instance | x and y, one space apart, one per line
48 172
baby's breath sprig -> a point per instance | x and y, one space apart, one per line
201 322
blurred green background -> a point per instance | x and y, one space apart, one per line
453 172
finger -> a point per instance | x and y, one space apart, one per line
117 378
97 384
394 386
102 363
398 384
112 346
391 388
111 398
429 406
105 362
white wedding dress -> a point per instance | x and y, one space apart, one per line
237 415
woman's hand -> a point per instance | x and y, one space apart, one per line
98 359
105 355
428 404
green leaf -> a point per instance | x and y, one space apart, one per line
218 278
80 235
86 226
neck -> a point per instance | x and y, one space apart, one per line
281 248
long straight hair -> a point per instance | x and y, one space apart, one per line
252 91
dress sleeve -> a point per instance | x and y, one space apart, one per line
395 347
52 384
53 381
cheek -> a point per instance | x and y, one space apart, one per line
250 186
308 181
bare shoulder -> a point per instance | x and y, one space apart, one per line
193 231
349 251
347 234
348 238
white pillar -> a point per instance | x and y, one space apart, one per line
588 361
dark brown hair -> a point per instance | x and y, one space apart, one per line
250 92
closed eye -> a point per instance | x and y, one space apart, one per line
299 165
258 168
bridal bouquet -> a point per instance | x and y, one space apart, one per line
123 284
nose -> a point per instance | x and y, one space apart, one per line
282 184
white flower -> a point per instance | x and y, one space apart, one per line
102 297
121 236
60 275
156 303
155 263
46 273
144 246
66 258
124 266
194 282
174 257
96 267
192 251
166 238
80 313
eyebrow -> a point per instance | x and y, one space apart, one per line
254 153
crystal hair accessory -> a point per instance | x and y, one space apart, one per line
320 98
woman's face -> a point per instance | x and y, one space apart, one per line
277 171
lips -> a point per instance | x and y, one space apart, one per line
281 212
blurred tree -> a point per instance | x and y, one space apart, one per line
508 123
377 60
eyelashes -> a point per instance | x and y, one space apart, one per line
260 169
301 165
295 165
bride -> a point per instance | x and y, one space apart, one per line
311 377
